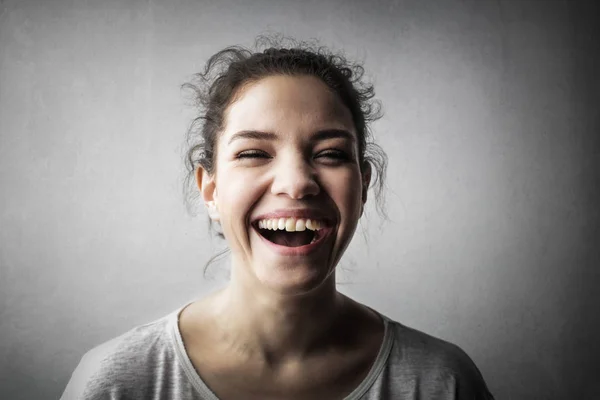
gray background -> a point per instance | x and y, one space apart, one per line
490 127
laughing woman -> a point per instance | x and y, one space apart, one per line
281 158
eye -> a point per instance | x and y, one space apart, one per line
333 154
251 154
338 155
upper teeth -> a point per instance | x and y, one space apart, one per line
290 224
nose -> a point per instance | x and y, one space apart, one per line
295 178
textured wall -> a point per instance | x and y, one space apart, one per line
491 117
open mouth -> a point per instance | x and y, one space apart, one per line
289 239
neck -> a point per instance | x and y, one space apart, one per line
274 328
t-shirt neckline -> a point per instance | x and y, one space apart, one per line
204 390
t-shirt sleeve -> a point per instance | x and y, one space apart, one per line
80 379
426 367
91 379
461 376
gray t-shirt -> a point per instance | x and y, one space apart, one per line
150 362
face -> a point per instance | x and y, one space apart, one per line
288 163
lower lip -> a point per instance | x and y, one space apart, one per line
300 250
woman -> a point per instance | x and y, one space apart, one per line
281 161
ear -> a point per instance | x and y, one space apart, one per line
366 180
208 191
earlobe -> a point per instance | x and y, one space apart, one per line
213 213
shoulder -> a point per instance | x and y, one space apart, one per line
122 364
420 349
436 364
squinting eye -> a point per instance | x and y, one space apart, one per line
250 154
338 155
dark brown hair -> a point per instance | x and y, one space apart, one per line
229 70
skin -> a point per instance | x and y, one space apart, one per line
280 329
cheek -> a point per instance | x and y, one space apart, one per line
236 197
346 191
229 188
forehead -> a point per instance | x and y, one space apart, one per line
286 105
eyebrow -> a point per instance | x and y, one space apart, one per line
320 135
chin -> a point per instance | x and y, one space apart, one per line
295 280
